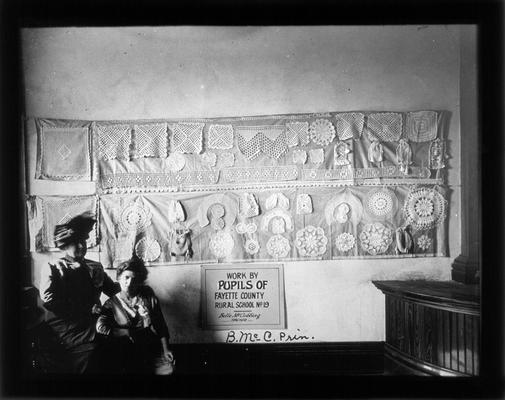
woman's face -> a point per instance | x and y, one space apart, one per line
77 250
128 282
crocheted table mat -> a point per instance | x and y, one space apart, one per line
150 140
187 137
349 125
421 126
220 137
385 126
114 141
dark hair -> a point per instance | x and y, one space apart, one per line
135 265
74 230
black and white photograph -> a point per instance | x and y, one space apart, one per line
252 209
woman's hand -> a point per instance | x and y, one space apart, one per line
169 356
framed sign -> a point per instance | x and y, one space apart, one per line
243 296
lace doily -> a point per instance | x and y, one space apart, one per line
344 207
221 137
322 132
311 241
227 160
176 162
386 127
260 174
299 156
404 156
243 228
375 152
251 246
278 246
209 158
316 156
151 140
221 244
148 249
303 204
297 132
340 152
380 203
276 212
114 141
424 242
437 154
345 242
375 238
248 206
134 217
421 126
187 137
349 125
424 208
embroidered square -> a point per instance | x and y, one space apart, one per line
151 140
114 141
221 137
297 132
386 127
64 154
349 125
187 137
422 126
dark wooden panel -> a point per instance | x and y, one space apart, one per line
468 345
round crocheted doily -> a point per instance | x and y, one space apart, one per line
375 238
424 208
221 244
134 217
148 249
424 242
380 203
322 132
278 246
311 241
345 241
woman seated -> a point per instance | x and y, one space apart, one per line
133 322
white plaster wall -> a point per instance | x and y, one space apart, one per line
144 73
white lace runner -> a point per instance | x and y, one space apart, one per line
187 137
421 126
386 127
150 140
260 174
114 141
150 180
220 137
345 173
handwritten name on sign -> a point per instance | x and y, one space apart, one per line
266 337
242 296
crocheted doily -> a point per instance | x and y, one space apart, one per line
322 132
221 244
278 246
297 132
227 159
375 238
345 241
424 242
421 126
176 162
380 203
187 137
303 204
386 127
134 217
311 241
148 249
221 137
299 156
114 141
151 140
316 156
349 125
251 246
424 208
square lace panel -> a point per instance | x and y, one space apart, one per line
114 141
386 127
151 140
64 154
297 132
187 137
422 126
220 137
349 125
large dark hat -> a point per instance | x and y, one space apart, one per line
74 230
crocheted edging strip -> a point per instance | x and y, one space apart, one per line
259 174
158 179
363 173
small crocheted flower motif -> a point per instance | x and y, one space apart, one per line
278 246
424 242
375 238
221 244
345 241
322 132
311 241
251 246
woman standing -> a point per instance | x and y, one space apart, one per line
70 288
133 322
